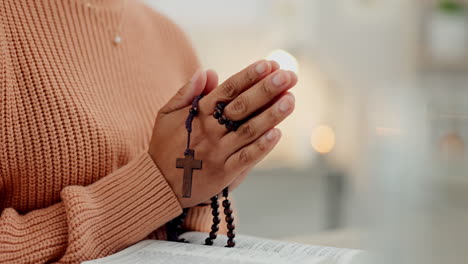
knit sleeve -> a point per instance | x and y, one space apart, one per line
93 221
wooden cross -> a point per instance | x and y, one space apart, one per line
188 164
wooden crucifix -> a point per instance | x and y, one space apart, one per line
188 164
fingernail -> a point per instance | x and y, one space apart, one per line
261 67
271 135
195 76
286 104
279 79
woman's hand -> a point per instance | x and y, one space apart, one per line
259 93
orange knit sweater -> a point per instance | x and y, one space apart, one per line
76 116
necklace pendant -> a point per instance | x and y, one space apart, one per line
117 40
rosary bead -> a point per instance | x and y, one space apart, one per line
220 105
231 234
209 242
228 211
236 126
231 243
230 125
214 228
226 203
213 235
222 120
216 220
229 219
217 113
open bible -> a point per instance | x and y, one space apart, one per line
248 250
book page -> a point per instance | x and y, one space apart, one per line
248 250
292 251
163 252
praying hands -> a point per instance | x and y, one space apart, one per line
256 98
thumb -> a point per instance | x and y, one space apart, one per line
185 95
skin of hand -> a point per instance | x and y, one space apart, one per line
259 93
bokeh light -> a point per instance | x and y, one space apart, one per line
285 60
323 139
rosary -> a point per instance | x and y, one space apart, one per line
174 227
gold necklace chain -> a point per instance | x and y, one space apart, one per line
115 33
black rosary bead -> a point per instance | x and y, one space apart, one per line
217 113
226 203
213 235
174 227
216 220
231 234
229 219
231 243
228 211
222 120
209 242
220 106
236 126
229 125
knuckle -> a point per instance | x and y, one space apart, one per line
247 131
274 115
262 146
239 106
244 157
266 89
251 75
229 89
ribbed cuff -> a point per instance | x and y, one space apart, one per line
34 237
118 210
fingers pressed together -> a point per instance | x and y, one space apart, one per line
258 94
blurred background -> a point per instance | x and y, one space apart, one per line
375 152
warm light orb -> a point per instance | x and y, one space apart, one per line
285 60
323 139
